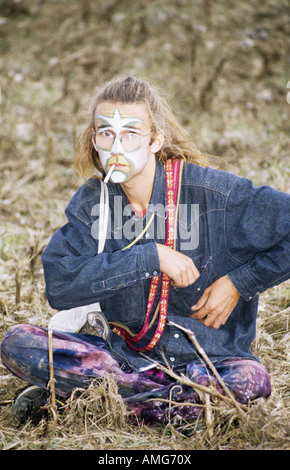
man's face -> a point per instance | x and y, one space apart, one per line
122 138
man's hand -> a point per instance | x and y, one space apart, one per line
217 303
177 266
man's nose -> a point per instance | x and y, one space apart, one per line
117 148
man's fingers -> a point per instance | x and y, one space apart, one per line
186 273
179 267
200 305
220 300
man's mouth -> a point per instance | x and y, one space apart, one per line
119 165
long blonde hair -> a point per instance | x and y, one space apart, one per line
177 142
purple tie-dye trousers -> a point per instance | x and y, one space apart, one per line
80 358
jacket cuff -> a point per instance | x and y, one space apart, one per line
244 282
149 260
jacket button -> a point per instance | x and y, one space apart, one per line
147 274
176 335
172 359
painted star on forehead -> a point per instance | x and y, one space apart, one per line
117 122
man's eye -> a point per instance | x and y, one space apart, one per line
131 135
105 133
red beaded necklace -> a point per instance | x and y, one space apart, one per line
173 173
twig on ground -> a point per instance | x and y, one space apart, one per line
52 406
210 364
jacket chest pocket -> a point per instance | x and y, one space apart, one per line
191 294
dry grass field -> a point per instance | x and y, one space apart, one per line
223 66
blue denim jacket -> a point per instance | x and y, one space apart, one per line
226 225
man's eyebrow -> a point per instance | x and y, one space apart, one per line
134 125
101 126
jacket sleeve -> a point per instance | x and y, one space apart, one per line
76 275
257 231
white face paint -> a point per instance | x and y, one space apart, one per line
127 163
